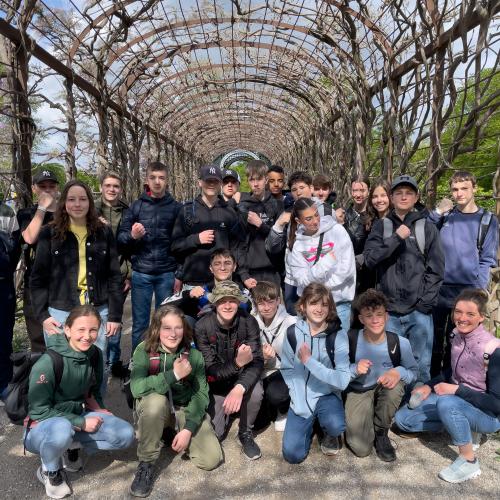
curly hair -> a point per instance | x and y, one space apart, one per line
371 299
61 220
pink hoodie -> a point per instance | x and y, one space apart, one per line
467 360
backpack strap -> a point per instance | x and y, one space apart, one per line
352 337
58 363
489 349
420 235
394 348
320 247
154 363
484 226
292 339
330 347
189 215
388 228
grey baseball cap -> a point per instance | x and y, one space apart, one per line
404 180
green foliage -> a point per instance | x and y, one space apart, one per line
58 169
90 179
240 168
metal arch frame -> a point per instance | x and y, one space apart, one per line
237 154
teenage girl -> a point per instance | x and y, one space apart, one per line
169 384
321 251
466 403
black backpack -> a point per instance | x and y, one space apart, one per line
393 346
16 402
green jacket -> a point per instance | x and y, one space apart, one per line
76 383
191 392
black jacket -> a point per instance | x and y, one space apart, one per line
409 279
193 218
54 277
219 345
356 228
150 254
254 255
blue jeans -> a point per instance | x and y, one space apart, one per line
344 314
451 413
52 437
418 328
299 431
291 298
101 341
113 351
143 286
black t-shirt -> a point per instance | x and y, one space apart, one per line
24 217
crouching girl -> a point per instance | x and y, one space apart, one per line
169 384
69 413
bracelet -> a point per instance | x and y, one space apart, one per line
42 209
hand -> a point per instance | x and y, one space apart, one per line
304 353
112 328
340 214
181 441
197 292
244 355
445 205
103 411
177 285
284 219
207 237
137 231
363 366
92 424
52 326
182 368
45 200
127 285
425 390
403 231
443 389
254 219
389 379
250 283
232 403
268 351
104 220
237 197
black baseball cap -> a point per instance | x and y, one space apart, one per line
228 172
210 172
44 175
404 180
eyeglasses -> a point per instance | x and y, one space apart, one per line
225 263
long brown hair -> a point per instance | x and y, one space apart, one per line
300 205
61 221
314 293
371 211
152 336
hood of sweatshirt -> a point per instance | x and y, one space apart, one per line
326 223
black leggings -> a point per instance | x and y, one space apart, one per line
276 392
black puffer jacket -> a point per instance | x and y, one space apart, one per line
150 254
356 228
193 218
408 278
54 277
219 348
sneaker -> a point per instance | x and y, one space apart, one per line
56 485
249 446
280 422
330 445
383 446
72 460
460 470
143 481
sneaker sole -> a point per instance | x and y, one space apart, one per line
140 495
42 480
463 479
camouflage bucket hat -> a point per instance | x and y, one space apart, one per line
226 289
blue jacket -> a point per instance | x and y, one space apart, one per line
150 254
307 383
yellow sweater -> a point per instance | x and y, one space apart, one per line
81 235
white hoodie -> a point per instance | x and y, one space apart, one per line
274 334
338 273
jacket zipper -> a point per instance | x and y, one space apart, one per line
458 359
307 380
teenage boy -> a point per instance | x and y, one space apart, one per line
231 186
275 179
469 237
301 186
110 209
145 234
381 365
203 225
323 189
31 220
273 322
405 250
230 343
259 211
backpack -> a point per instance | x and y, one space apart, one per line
189 215
154 369
16 402
330 343
419 232
393 346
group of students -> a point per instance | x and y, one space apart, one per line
259 317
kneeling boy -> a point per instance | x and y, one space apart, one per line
381 364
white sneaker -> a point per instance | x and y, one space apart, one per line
56 485
280 422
